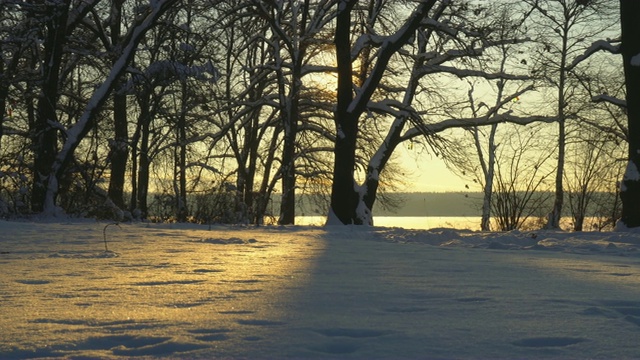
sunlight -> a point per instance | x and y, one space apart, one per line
164 276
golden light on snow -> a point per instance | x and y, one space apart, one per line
161 279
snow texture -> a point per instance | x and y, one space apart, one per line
182 291
609 99
599 45
630 174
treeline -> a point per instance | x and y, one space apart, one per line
218 106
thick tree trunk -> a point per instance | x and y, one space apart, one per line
367 194
344 199
297 49
288 204
630 186
119 151
45 131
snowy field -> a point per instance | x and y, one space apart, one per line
181 291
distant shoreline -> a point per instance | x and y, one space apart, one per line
421 204
443 204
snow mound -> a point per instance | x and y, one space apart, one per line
577 243
229 241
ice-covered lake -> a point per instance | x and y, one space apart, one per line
181 291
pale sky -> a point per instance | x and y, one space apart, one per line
430 174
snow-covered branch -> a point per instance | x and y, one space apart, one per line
309 69
462 73
430 129
440 26
609 99
392 107
366 40
600 45
390 46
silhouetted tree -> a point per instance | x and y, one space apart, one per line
630 186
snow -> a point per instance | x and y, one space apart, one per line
187 291
609 99
630 174
332 218
599 45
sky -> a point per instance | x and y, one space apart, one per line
427 173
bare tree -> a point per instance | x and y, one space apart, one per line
563 28
521 177
77 132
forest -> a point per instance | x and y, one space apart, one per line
206 110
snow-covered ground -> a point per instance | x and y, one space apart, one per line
183 291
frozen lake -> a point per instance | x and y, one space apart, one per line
409 222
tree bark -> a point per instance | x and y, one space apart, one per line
119 145
344 199
144 162
553 221
630 186
45 131
181 160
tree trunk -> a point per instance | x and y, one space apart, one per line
290 118
182 156
366 195
44 133
553 221
297 50
485 223
119 145
630 186
144 163
344 199
288 204
119 151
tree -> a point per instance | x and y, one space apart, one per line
294 25
506 27
589 171
630 185
119 144
49 176
563 29
346 202
439 49
44 132
520 178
